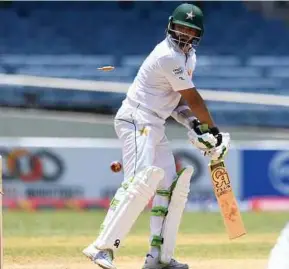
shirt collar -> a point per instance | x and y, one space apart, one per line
176 47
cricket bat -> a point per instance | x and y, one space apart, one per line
226 200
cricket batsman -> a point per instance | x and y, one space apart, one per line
162 88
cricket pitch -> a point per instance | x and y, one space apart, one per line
55 240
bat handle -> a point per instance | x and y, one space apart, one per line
212 162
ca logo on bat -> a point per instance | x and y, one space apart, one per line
221 180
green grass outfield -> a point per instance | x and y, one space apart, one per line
55 239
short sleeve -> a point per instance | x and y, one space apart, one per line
176 73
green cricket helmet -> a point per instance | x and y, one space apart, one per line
189 16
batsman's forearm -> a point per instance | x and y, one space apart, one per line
183 114
201 111
198 106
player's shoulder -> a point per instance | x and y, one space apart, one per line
166 54
164 50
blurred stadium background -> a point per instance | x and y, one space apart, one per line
56 115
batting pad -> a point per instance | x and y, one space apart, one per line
175 211
136 197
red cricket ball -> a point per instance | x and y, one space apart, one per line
115 167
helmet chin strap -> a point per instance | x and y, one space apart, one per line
184 45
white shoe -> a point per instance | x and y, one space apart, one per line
103 258
153 263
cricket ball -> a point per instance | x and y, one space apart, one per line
115 167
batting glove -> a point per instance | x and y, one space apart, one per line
222 147
201 137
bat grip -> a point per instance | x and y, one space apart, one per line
212 162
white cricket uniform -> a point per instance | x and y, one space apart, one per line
139 123
150 100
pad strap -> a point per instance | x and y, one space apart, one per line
164 193
157 241
159 211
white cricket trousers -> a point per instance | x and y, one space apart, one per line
145 145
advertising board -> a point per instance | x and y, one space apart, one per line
80 169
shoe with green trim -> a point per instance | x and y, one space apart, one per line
153 263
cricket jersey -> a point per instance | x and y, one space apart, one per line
164 72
